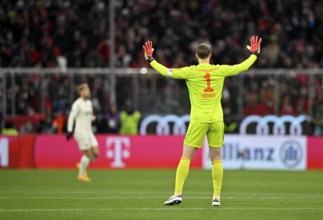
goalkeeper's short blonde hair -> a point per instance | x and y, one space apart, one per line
203 50
81 87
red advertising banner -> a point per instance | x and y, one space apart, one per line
115 152
315 152
53 151
17 151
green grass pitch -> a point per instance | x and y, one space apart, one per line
139 194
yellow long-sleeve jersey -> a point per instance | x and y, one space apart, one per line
205 84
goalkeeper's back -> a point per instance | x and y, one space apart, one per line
204 81
205 84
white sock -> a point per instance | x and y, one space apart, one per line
84 164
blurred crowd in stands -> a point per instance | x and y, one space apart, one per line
75 33
35 32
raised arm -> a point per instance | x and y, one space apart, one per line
254 48
232 70
176 73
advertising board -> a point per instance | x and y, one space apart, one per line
115 152
261 152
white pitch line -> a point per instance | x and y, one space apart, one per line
267 197
159 197
159 209
232 195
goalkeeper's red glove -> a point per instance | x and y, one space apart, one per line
254 47
148 49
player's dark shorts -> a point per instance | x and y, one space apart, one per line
197 130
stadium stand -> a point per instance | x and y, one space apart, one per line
43 33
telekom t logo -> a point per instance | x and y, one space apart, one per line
118 148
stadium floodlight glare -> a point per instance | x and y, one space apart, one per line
143 70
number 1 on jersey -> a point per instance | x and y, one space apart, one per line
208 83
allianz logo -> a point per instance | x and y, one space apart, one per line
233 151
289 152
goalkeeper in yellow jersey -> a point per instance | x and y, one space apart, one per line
204 82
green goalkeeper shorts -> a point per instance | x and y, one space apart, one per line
197 130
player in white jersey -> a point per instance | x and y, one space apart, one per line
82 115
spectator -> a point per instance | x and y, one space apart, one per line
38 33
253 106
47 126
59 122
230 125
9 129
287 107
104 52
1 120
317 119
112 119
49 53
26 128
129 119
292 31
